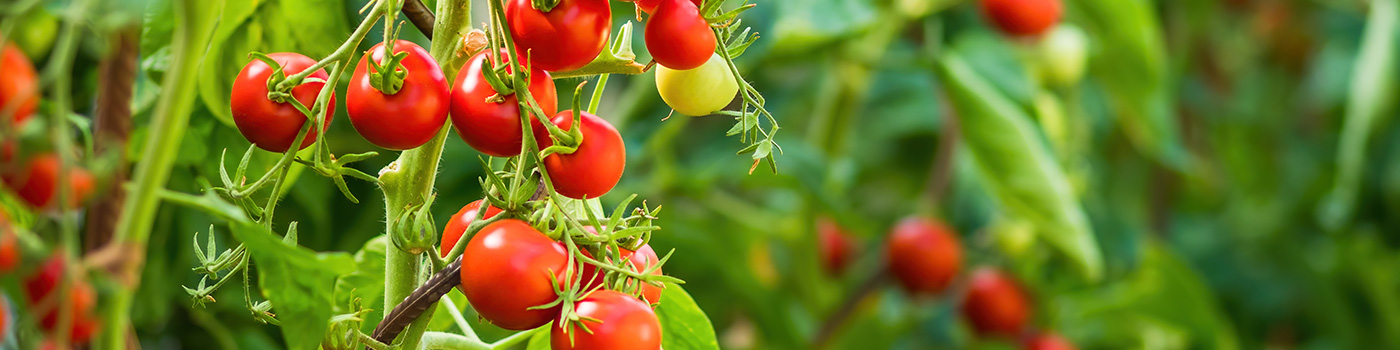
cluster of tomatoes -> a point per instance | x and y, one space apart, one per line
925 257
510 272
42 297
33 178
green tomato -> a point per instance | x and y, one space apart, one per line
35 33
700 91
1063 53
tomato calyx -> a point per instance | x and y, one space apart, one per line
279 85
391 82
544 5
566 142
414 230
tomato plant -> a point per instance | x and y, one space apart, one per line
595 166
608 320
19 89
995 304
1023 17
510 268
566 37
488 121
410 115
924 255
678 37
272 125
700 91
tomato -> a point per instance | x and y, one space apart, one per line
700 91
649 6
614 321
995 303
1023 17
80 303
19 85
595 167
1047 341
36 184
1063 53
36 32
642 259
566 38
678 37
408 118
44 279
9 248
924 255
510 267
493 127
458 225
835 246
271 125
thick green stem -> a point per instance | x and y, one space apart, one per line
449 341
409 180
194 23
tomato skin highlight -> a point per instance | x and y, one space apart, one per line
408 118
642 259
700 91
995 304
37 183
1023 17
489 127
615 321
19 86
566 38
270 125
924 255
458 225
595 167
678 37
1047 341
835 247
509 267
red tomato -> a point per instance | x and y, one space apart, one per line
271 125
995 304
924 255
458 225
45 279
490 127
408 118
649 6
642 259
1023 17
19 84
835 246
81 300
614 321
1047 341
595 167
9 248
566 38
678 37
36 184
510 267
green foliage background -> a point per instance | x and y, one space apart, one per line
1234 172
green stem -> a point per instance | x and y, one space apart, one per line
516 339
449 341
194 23
409 180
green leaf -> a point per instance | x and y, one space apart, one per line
294 279
539 341
683 325
366 283
1018 169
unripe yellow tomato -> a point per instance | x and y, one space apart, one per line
700 91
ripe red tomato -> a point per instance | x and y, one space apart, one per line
642 259
81 300
9 248
835 246
271 125
649 6
37 182
924 255
566 38
614 321
595 167
44 279
411 116
1023 17
509 267
458 225
490 127
1047 341
678 37
995 304
19 85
